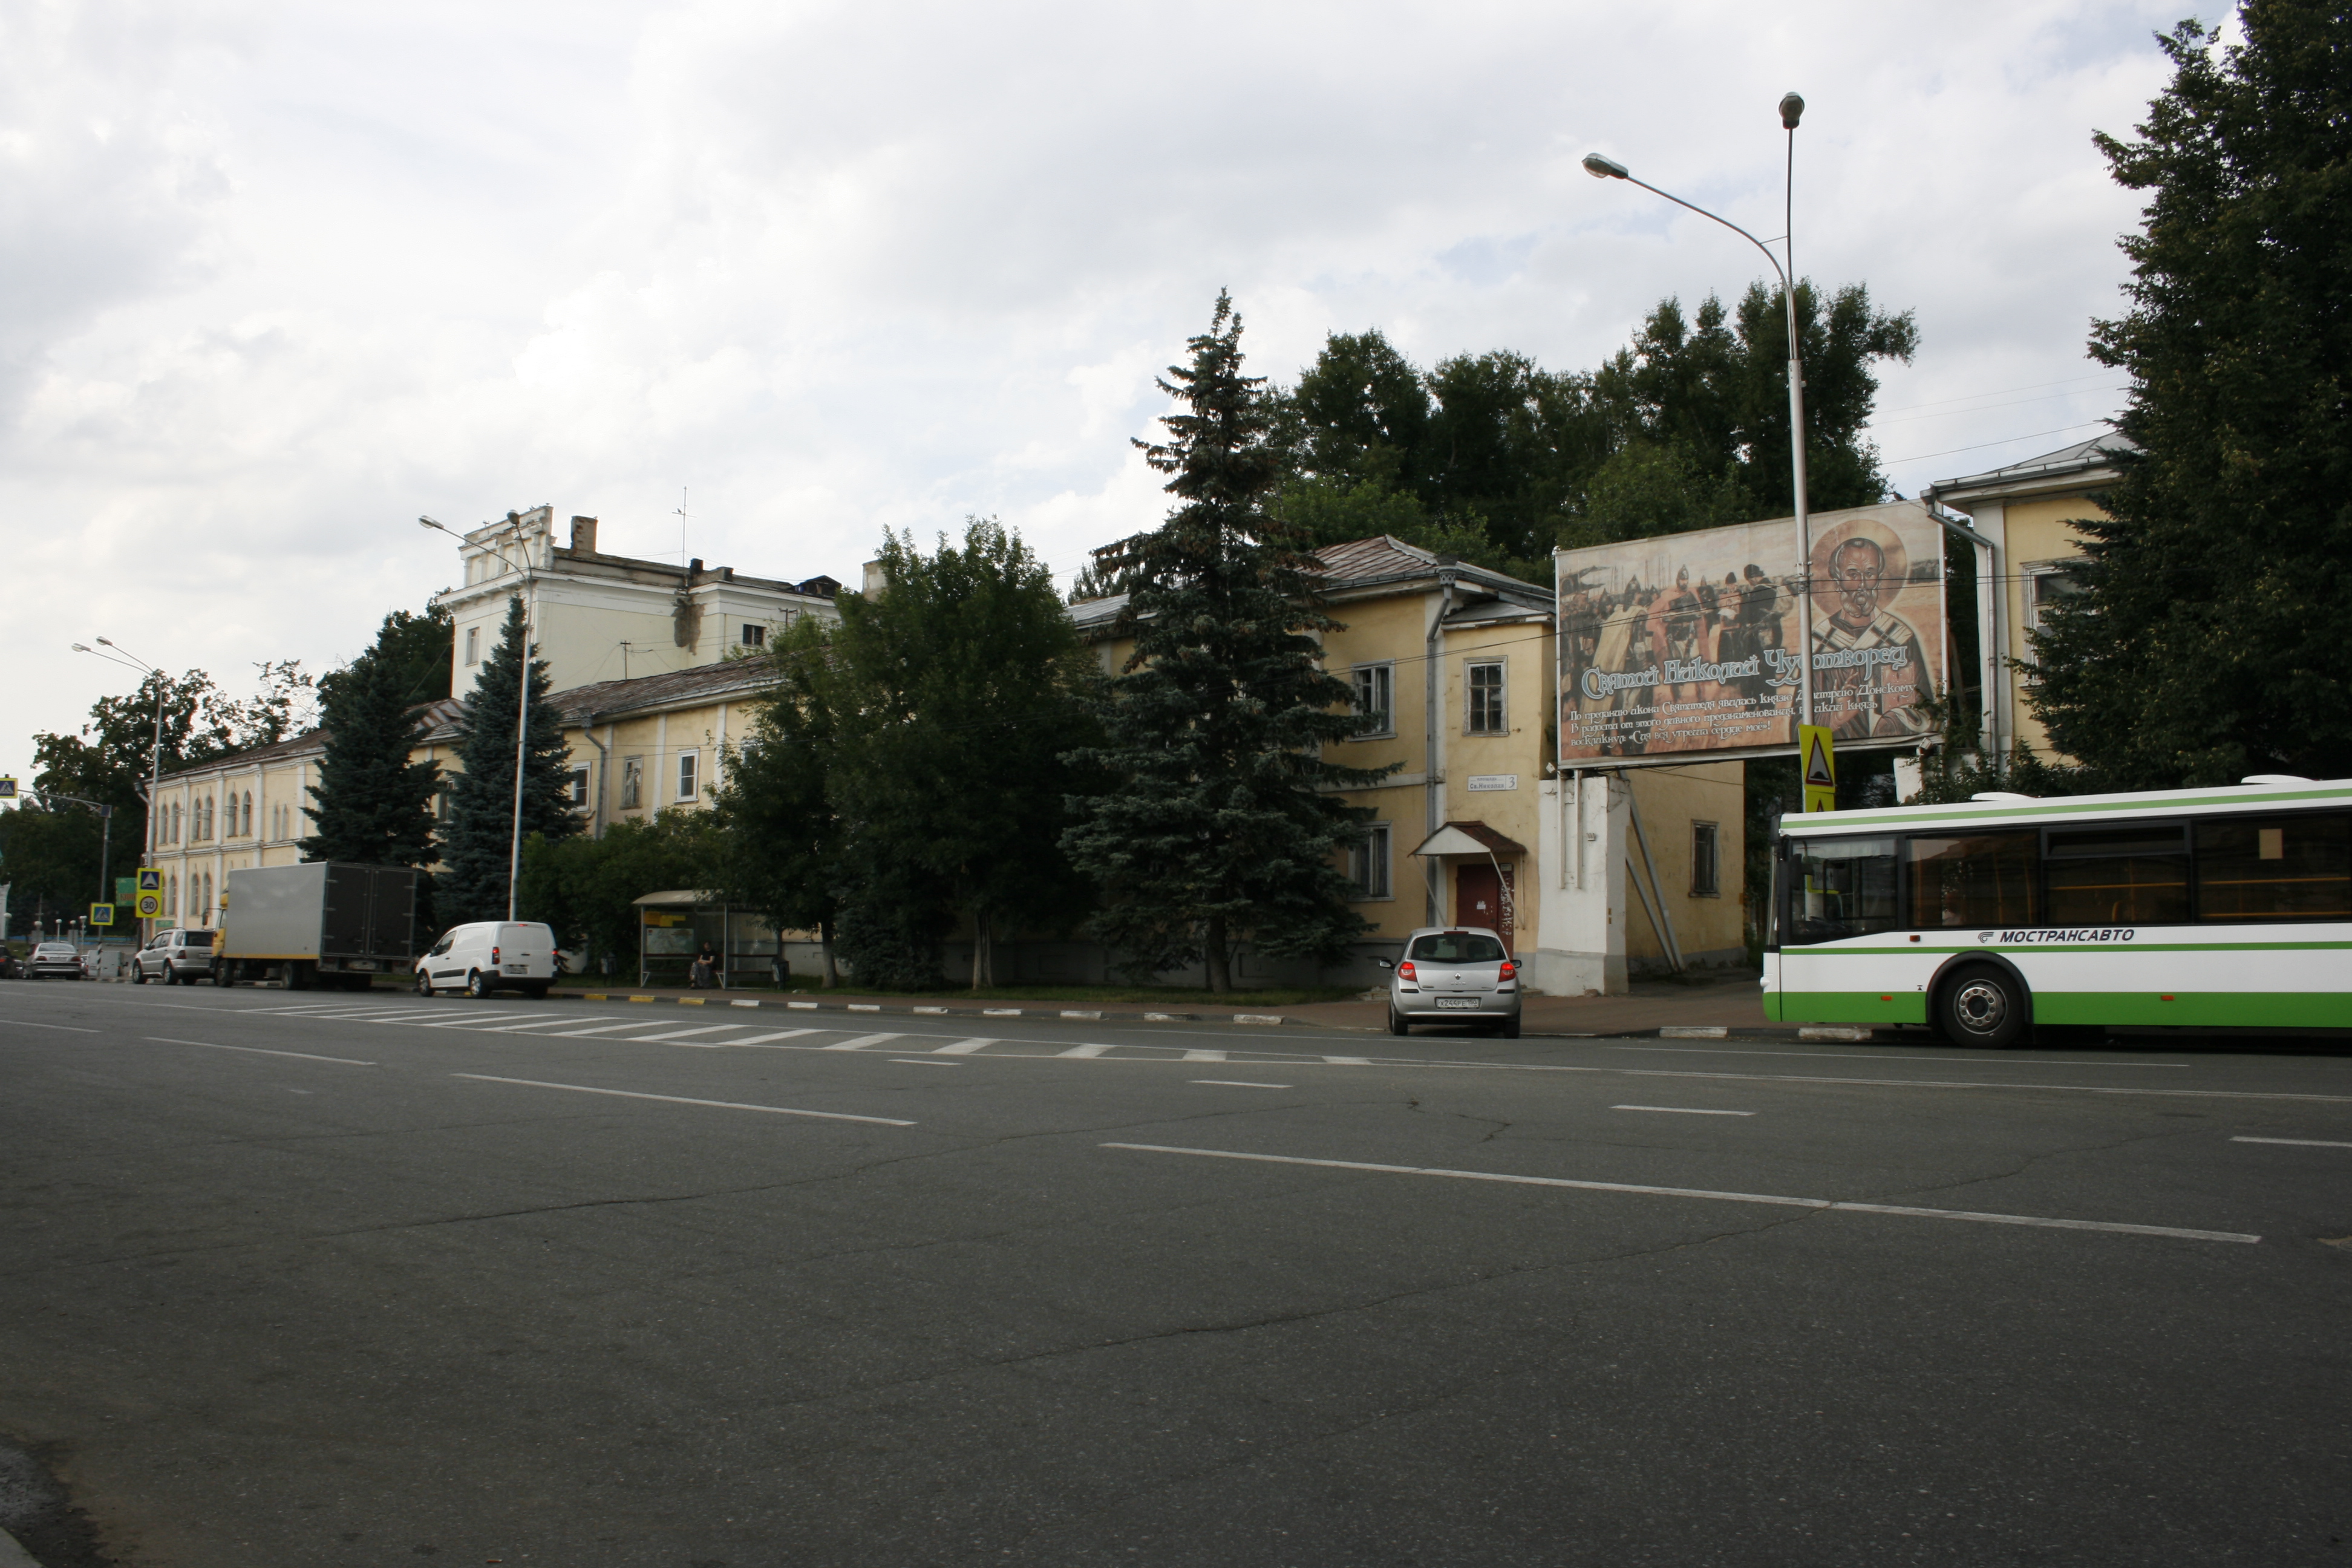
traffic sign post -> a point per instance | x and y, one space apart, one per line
146 898
1818 754
101 914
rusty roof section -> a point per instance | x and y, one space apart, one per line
308 742
1489 837
583 705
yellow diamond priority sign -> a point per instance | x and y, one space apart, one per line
1819 754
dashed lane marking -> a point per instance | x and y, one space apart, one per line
2298 1142
682 1099
68 1028
1905 1210
1204 1055
1238 1083
257 1051
1682 1109
1894 1054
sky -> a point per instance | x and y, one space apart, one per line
279 278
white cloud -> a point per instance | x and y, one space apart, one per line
284 276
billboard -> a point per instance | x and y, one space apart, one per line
1686 644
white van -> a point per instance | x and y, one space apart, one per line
512 955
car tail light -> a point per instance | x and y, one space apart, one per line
494 955
1404 970
1509 969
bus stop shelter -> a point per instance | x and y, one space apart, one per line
672 926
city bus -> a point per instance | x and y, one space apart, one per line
2201 908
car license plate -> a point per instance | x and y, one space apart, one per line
1457 1001
364 962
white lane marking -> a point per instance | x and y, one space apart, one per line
534 1024
1085 1051
2298 1142
1936 1083
256 1050
467 1021
1892 1054
779 1035
861 1042
964 1047
68 1028
682 1099
608 1029
1203 1055
922 1062
1348 1061
1238 1083
1904 1209
684 1034
1682 1109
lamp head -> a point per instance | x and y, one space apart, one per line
429 522
1602 168
83 647
1792 109
106 642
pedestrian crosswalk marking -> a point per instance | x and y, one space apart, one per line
962 1047
862 1041
686 1034
779 1035
1204 1055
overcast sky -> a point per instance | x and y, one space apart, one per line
279 277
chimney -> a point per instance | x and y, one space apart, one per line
874 578
583 535
693 570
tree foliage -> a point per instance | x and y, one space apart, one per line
782 835
482 796
585 887
1219 825
1494 459
416 649
2205 644
371 803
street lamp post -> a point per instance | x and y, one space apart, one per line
155 752
522 710
1601 168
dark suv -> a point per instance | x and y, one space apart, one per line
176 958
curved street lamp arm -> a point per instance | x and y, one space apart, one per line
1777 270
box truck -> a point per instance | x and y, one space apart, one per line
320 924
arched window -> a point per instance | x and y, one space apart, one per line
172 889
208 886
172 823
247 830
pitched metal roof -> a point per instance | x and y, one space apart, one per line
308 744
2098 452
606 699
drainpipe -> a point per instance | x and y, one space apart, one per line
1432 712
603 768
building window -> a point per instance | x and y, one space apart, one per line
474 646
247 831
1367 863
172 833
2045 587
1373 715
686 764
1706 860
755 635
580 786
441 804
1486 714
632 782
172 896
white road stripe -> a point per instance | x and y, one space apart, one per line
1204 1055
686 1034
1083 1051
779 1035
1892 1054
1682 1109
2298 1142
68 1028
964 1047
1929 1083
1902 1209
922 1062
1348 1061
470 1020
1238 1083
608 1029
534 1024
861 1042
681 1099
256 1050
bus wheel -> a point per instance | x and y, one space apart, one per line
1980 1005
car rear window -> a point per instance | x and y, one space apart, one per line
196 939
1456 947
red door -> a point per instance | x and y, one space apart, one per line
1479 901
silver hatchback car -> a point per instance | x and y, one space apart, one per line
1455 974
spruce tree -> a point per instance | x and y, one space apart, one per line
1219 827
482 796
372 805
2205 644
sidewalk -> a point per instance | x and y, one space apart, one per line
1653 1005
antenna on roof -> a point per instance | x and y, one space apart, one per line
680 514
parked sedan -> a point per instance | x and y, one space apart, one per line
1455 974
55 959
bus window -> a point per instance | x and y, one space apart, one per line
2118 876
2275 869
1839 888
1981 879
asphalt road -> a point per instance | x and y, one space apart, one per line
294 1281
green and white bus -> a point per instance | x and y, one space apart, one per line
2207 908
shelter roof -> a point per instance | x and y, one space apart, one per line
1469 837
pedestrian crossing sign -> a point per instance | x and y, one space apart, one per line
101 914
7 789
1819 755
151 881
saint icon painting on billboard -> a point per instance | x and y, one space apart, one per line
1870 674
